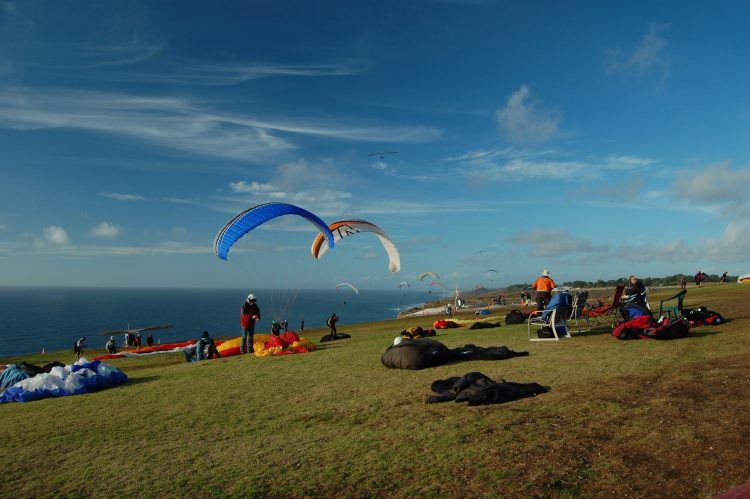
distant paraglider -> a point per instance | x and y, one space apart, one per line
248 220
344 284
346 228
431 274
438 283
381 154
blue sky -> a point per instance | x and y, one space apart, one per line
595 140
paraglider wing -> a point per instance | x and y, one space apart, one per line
437 283
341 285
346 228
252 218
425 274
490 270
381 154
404 283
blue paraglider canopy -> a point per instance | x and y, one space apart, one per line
258 215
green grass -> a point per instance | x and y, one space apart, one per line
623 418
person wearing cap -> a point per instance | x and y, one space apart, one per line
543 287
111 346
249 313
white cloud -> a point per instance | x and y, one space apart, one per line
56 235
648 57
181 124
732 246
672 251
123 197
163 249
552 242
221 73
256 188
105 230
717 183
525 122
119 53
513 164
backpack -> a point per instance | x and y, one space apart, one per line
667 330
633 329
515 317
702 315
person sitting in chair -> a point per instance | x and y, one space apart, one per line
636 291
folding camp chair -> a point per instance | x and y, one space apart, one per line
554 317
672 306
608 315
576 311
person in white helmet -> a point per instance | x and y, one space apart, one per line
111 346
249 313
543 287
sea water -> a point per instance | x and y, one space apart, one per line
32 319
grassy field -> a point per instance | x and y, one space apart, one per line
637 418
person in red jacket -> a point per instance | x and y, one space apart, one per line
249 313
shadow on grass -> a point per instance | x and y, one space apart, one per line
142 379
701 334
594 331
328 346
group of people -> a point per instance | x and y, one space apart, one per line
250 314
636 292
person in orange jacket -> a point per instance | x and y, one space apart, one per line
249 313
543 287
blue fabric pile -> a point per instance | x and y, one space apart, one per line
74 379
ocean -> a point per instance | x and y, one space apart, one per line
53 318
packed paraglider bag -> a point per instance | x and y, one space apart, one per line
703 316
479 389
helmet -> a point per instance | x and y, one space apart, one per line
397 341
251 297
545 273
275 323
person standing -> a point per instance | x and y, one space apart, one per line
683 283
332 320
699 278
150 340
302 325
449 311
138 340
543 287
249 314
723 277
79 346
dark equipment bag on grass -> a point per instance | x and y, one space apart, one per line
515 317
702 315
667 330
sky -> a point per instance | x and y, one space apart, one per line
595 139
